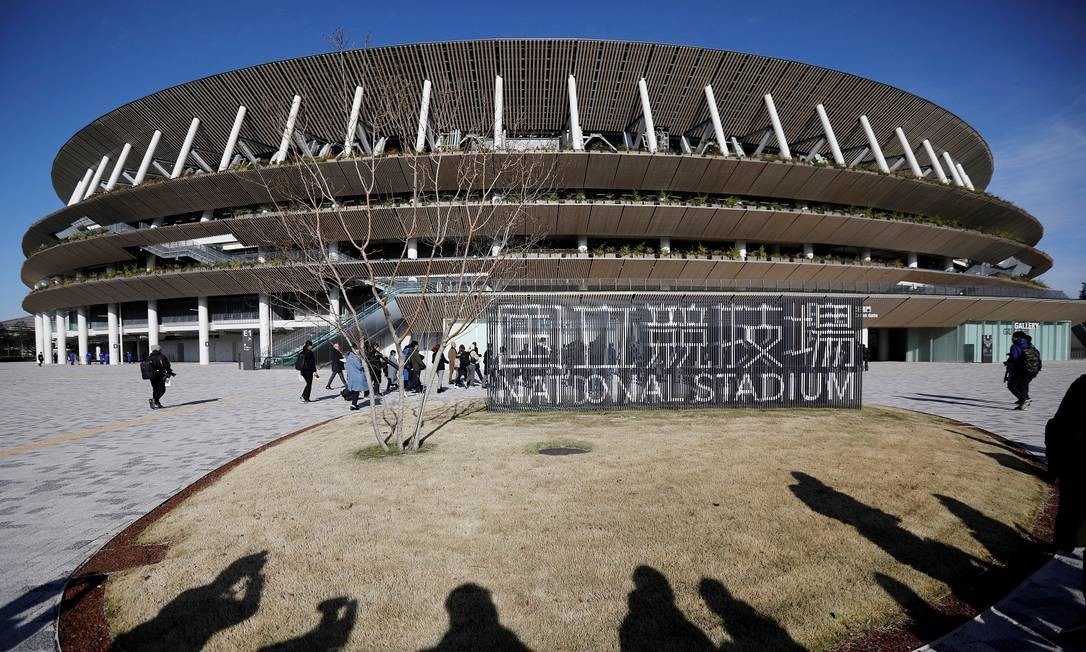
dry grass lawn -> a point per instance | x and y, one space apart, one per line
762 529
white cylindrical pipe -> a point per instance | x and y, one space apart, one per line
948 264
575 134
714 118
665 245
148 156
778 130
499 137
495 250
865 255
424 116
186 147
908 151
333 304
84 184
880 160
232 140
930 151
741 247
38 348
115 176
646 113
412 248
264 315
352 125
808 251
77 192
827 130
152 322
288 130
97 178
81 333
912 261
62 335
47 337
204 325
964 176
953 170
114 352
582 244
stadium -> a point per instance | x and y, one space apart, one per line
679 172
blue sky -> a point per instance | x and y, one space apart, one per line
1013 70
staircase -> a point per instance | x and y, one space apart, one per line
184 248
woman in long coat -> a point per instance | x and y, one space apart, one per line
356 379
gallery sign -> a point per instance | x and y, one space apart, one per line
578 351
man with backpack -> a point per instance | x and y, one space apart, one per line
306 364
156 368
1023 364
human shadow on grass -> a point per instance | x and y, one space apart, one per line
1016 448
748 628
331 633
474 623
190 620
1016 463
1006 545
925 621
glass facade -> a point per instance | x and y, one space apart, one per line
986 341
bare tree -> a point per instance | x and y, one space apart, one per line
452 240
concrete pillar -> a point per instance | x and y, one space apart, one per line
47 337
964 176
152 322
576 137
38 348
582 244
827 129
265 326
81 327
206 215
499 137
412 248
778 130
912 261
808 251
97 178
865 255
424 116
880 160
714 117
204 323
232 140
62 335
186 147
495 250
352 122
646 114
114 335
333 304
741 246
884 344
953 170
864 336
148 156
948 264
665 246
907 149
930 151
115 176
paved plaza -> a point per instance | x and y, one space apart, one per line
82 457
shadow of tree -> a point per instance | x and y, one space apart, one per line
474 623
653 621
449 414
16 625
749 628
190 620
331 633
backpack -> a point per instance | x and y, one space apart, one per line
1031 361
147 369
299 362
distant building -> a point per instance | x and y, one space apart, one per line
682 170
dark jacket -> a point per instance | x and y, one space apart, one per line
161 365
1065 434
436 356
309 362
337 361
415 362
1015 360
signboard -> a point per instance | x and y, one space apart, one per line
1026 326
574 351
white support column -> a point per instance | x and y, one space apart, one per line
953 170
778 130
964 176
333 304
148 156
81 333
582 244
495 250
859 157
204 324
665 246
646 114
827 130
948 264
264 315
424 116
808 251
288 131
114 352
81 189
412 248
714 118
934 161
47 337
864 336
913 264
115 176
186 147
737 148
232 140
880 160
152 322
62 335
38 348
865 255
908 150
499 136
575 135
97 178
352 125
741 247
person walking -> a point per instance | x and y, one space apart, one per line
476 362
156 368
356 382
866 356
451 359
306 364
336 366
438 358
1023 364
41 359
375 364
415 365
1065 448
392 368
